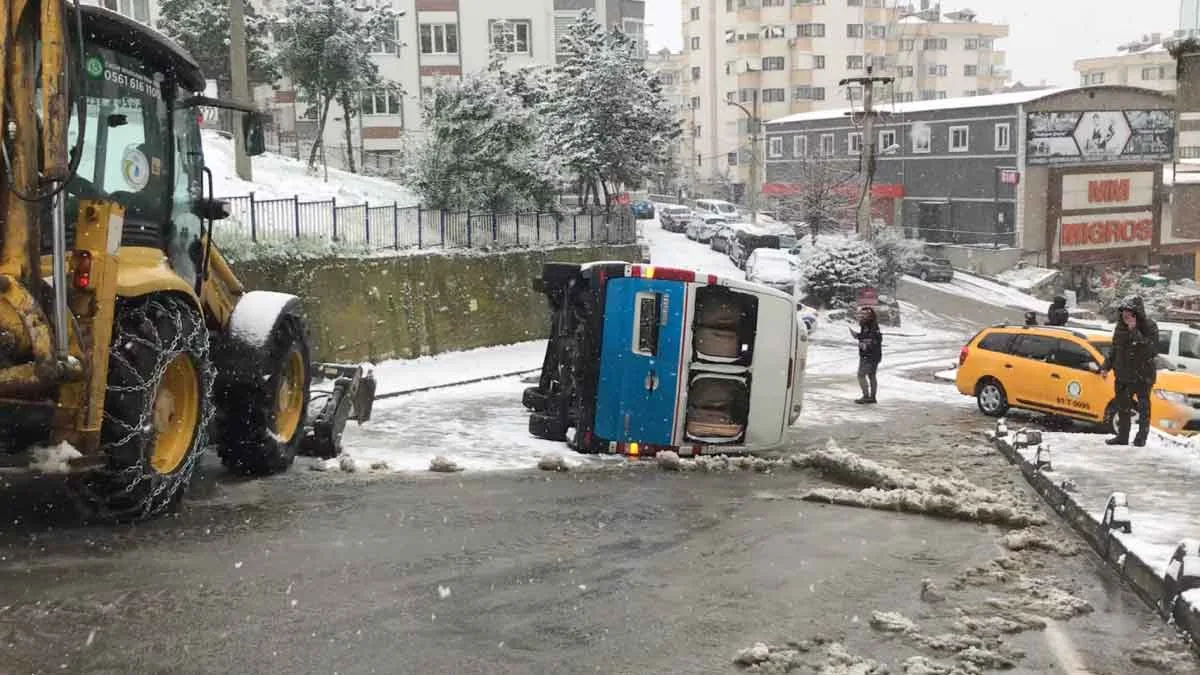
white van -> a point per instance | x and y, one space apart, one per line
1179 343
717 207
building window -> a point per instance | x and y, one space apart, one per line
800 146
960 138
773 3
694 15
731 96
511 37
854 30
696 130
971 43
854 92
887 138
806 92
854 3
1153 73
773 32
695 102
728 5
732 159
387 44
877 31
439 38
854 143
985 43
699 160
934 43
381 102
937 70
1003 137
694 43
695 73
745 95
774 95
904 97
818 62
775 147
941 94
970 92
879 62
827 145
922 139
904 71
1092 78
772 63
810 30
854 62
138 10
907 45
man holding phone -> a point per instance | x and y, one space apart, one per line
1131 358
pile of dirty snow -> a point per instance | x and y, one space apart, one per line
1027 278
893 489
668 460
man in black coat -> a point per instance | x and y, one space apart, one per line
1057 315
1132 360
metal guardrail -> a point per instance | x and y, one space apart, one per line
394 226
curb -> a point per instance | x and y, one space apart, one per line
1136 572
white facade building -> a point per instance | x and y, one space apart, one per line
1143 63
787 56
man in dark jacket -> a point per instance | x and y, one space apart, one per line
870 353
1057 315
1132 360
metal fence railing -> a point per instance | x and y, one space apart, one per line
969 237
376 226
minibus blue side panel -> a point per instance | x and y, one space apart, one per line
639 360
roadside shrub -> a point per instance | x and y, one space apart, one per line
896 253
834 268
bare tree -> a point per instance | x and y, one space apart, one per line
820 192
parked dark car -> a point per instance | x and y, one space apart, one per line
745 242
642 210
928 268
675 218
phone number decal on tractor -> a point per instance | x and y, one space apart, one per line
132 82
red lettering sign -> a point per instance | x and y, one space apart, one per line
1113 230
1108 191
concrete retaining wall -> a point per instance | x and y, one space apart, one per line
977 259
1147 583
407 306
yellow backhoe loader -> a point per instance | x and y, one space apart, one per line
127 344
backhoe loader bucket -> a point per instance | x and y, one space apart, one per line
339 393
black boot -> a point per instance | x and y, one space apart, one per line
1122 437
863 399
1118 440
1142 434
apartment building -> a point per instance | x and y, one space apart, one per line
144 11
668 66
1141 63
1189 15
764 59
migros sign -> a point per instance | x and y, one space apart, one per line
1118 211
1083 191
1106 231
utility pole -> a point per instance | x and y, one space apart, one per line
241 87
869 151
753 125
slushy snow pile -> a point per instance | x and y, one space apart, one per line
894 489
1026 278
53 458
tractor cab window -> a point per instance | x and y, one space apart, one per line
126 154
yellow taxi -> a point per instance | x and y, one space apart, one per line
1056 370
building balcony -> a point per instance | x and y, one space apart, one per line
804 45
751 48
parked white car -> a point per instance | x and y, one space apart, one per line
703 228
772 267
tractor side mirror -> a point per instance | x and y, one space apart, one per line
252 128
207 208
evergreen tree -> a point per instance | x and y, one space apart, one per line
325 48
607 112
202 28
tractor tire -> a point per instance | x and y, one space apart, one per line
533 399
263 422
156 412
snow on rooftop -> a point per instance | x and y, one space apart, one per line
1008 98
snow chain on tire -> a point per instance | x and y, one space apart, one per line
148 334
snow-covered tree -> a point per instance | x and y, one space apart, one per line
896 254
834 268
485 145
202 27
325 48
608 114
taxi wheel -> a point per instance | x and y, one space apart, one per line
991 398
1110 418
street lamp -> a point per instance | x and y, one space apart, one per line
753 123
